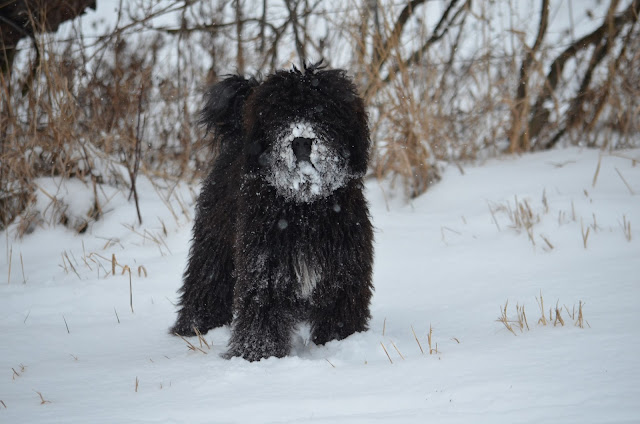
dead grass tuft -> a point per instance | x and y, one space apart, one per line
555 316
520 215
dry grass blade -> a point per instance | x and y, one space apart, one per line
3 404
185 210
502 318
522 318
130 289
190 345
585 234
9 271
397 350
71 265
493 216
451 230
625 182
417 341
429 341
142 269
384 326
42 400
84 257
329 362
66 325
117 317
626 228
137 383
595 222
201 338
546 240
543 319
385 351
580 321
558 316
571 313
595 176
24 280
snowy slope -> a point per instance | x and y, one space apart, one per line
449 260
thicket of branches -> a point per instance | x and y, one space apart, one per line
444 80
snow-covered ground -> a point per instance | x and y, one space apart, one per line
73 351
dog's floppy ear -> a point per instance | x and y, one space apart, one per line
224 103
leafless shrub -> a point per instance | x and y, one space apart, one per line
441 81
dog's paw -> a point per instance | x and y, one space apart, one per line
188 323
182 329
256 348
187 326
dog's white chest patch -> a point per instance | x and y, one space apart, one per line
307 275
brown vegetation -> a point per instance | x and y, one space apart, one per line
441 83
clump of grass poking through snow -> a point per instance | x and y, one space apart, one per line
519 322
509 323
521 215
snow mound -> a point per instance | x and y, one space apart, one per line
95 346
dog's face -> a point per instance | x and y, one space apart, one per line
306 132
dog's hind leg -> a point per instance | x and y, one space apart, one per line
207 291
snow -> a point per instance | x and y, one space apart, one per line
304 181
448 260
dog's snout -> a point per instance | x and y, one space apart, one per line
302 148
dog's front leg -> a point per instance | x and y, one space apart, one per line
340 301
265 313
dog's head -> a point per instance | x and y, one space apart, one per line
306 132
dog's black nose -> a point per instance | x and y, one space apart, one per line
302 149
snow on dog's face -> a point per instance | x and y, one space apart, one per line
306 133
303 166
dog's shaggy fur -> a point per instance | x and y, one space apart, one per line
282 231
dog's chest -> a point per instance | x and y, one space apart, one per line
307 274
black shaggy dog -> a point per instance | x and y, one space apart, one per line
282 231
